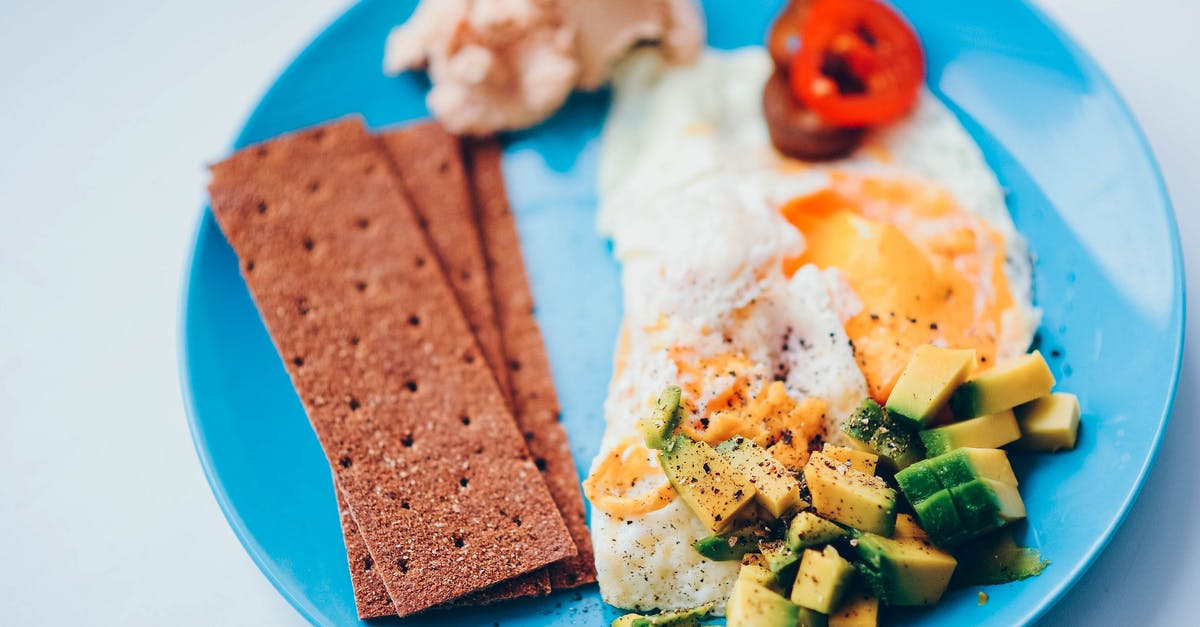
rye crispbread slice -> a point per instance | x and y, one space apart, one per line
428 161
535 401
414 426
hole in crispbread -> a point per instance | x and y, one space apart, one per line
423 223
298 360
362 223
469 358
361 286
407 440
516 520
414 320
405 505
261 152
354 340
420 262
354 404
403 564
411 386
444 167
466 420
466 276
459 541
368 563
309 244
540 463
313 186
479 450
514 365
262 207
464 482
345 461
302 306
250 266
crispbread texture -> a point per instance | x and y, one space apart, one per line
414 425
535 402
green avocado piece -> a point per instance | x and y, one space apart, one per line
984 505
864 422
919 481
727 548
755 605
967 464
809 530
873 428
926 383
778 489
1012 383
850 497
996 559
991 431
707 483
905 571
677 618
822 581
658 427
810 618
940 519
781 559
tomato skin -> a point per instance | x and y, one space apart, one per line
878 49
784 39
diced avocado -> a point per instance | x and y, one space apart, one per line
940 519
965 464
931 375
873 429
1013 383
990 431
1049 423
755 605
727 548
861 461
658 427
907 527
714 491
822 581
919 481
864 422
859 609
850 497
984 504
903 572
778 490
677 618
810 618
809 530
781 559
996 560
755 569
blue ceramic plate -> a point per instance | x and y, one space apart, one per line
1084 190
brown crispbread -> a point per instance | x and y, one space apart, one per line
535 402
415 427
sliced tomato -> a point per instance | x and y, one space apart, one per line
784 40
859 63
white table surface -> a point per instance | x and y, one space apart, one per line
108 113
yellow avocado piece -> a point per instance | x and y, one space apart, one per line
1049 423
931 376
1007 385
753 604
907 527
858 610
848 496
861 461
991 431
904 571
822 580
778 490
706 482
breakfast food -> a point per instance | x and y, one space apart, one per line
339 269
508 65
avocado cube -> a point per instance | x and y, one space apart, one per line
861 461
859 609
822 581
706 482
966 464
919 481
781 559
984 504
778 489
658 427
810 618
1007 385
1049 423
676 618
809 530
907 527
727 548
931 376
864 422
850 497
755 605
940 519
905 571
755 569
990 431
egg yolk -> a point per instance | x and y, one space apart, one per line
925 270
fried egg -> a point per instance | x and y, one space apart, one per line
777 294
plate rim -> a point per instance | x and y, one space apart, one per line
1088 67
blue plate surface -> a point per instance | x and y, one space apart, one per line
1083 188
